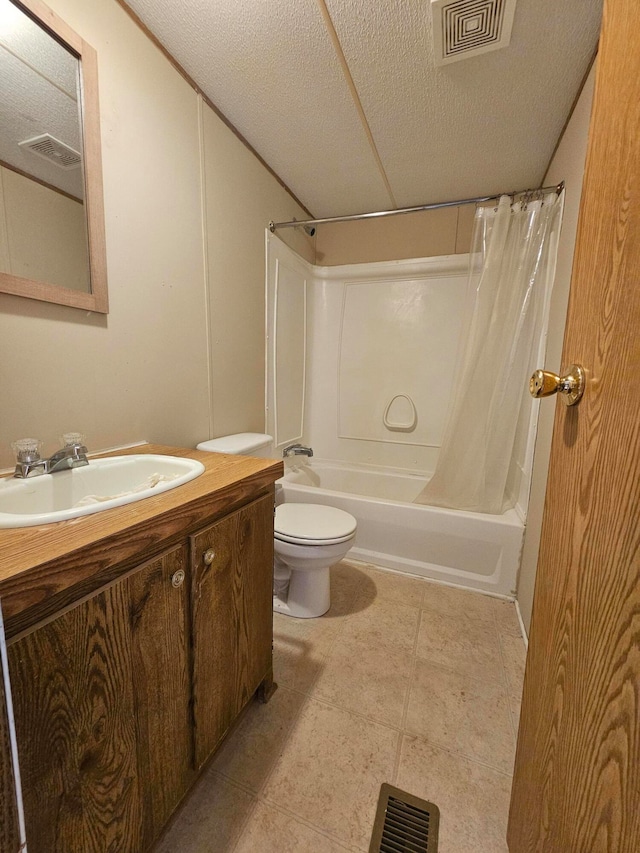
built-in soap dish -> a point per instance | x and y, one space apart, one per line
401 414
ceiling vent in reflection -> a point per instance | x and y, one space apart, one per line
466 28
51 149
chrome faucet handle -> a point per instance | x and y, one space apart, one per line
69 439
28 460
27 449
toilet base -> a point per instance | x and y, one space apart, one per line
301 576
308 594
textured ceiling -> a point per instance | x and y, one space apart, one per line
486 124
38 94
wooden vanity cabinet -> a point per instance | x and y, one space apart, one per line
120 699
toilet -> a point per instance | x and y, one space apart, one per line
308 538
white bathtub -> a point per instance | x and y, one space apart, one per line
468 549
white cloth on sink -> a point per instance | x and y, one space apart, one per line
150 483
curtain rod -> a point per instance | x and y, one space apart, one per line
307 223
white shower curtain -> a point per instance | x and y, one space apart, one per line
512 265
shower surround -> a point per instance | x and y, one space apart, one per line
360 365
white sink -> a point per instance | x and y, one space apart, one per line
100 485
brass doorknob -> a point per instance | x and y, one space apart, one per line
570 386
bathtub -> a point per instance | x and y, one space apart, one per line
467 549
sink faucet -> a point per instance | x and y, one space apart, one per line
30 464
297 450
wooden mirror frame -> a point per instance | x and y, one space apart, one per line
97 300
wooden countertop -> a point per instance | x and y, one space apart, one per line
43 569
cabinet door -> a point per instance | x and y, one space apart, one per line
232 607
103 743
158 602
72 687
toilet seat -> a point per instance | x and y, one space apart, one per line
293 540
313 524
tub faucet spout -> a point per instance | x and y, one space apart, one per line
297 450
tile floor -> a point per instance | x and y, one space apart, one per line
402 681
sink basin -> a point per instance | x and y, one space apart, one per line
100 485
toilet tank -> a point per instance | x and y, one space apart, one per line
241 444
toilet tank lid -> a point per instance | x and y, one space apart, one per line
241 442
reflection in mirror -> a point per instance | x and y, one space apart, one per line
51 218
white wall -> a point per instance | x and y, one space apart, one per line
568 165
184 338
140 372
241 197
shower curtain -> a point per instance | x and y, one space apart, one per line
512 265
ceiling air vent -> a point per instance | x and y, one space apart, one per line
51 149
465 28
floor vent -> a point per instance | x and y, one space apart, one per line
51 149
404 823
466 28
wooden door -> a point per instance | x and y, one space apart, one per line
232 629
577 776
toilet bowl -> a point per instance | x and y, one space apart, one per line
308 539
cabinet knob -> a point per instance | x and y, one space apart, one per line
177 578
209 556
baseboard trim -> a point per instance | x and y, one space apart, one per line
523 630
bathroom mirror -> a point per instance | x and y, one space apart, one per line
52 245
